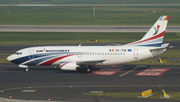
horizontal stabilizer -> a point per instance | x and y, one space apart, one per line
163 46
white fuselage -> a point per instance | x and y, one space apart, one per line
53 55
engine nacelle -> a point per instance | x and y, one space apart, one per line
68 66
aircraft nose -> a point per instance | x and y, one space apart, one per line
9 58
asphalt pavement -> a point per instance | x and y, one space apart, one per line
48 82
43 83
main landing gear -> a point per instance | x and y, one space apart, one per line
27 69
89 68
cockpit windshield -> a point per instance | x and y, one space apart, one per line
18 53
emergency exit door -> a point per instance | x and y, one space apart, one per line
135 53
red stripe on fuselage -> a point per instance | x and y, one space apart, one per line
63 64
152 38
49 62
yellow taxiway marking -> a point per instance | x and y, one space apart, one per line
128 72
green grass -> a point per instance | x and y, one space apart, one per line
118 94
19 38
4 60
171 53
173 95
5 54
83 15
93 1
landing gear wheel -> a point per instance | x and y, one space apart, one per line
88 69
27 69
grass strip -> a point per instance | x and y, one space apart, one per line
21 38
170 53
119 15
5 54
4 60
173 95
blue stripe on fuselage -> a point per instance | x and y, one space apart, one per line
26 58
152 45
36 61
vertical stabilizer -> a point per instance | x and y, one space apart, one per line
154 37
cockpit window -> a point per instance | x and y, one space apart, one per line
18 53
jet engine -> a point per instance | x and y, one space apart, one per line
68 66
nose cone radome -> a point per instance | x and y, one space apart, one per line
14 59
9 58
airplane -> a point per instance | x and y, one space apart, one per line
73 57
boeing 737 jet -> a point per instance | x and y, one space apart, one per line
73 57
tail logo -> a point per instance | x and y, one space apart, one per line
156 29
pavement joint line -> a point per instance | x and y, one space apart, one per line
28 71
28 90
85 86
33 71
128 72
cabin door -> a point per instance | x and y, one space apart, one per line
31 54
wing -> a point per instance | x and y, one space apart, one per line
90 62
